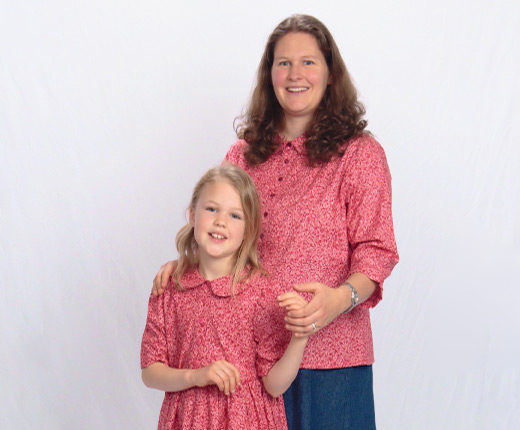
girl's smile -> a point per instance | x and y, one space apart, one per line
218 221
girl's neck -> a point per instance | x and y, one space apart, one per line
211 270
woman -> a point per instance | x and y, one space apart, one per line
327 231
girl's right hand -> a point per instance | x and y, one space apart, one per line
163 276
221 373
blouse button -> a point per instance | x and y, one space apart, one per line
272 195
280 179
289 144
265 214
261 235
286 161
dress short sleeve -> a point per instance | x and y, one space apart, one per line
270 333
154 345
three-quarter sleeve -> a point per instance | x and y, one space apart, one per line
369 216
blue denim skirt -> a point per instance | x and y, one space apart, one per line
335 399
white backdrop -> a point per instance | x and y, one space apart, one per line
109 112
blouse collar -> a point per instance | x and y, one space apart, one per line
298 143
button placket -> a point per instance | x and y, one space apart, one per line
286 160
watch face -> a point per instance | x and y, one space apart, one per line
355 297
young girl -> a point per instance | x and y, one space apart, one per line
212 340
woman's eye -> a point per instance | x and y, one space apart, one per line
283 63
308 62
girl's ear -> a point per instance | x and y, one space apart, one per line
192 217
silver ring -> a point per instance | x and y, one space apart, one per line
314 326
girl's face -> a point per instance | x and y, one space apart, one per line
219 226
300 75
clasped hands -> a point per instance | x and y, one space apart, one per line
324 307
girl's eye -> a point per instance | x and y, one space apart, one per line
236 216
211 209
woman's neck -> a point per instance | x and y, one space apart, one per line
294 128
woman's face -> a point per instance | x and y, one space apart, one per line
300 75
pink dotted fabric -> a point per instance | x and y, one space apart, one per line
192 328
320 224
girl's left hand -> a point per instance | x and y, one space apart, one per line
291 301
326 304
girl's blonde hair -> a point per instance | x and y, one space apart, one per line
247 254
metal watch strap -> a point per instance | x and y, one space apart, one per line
353 296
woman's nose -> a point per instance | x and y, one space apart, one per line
294 72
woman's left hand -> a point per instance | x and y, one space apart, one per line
326 304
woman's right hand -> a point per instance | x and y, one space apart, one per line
221 373
162 277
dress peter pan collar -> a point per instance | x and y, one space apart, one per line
221 287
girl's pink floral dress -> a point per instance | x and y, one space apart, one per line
192 328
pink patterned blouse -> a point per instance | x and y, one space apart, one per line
204 323
322 224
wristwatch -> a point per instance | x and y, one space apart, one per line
353 296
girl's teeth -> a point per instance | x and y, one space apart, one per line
217 236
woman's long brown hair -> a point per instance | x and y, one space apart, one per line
338 118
